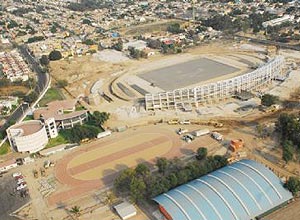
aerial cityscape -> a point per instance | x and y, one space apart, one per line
149 109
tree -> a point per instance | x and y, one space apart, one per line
162 164
61 83
118 46
31 97
137 189
174 28
75 210
268 100
173 180
44 60
201 153
293 185
55 55
123 182
287 151
99 118
142 170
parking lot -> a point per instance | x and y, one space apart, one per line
11 199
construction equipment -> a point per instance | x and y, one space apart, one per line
35 173
235 145
43 171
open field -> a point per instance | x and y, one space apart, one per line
95 165
148 28
187 73
51 95
10 90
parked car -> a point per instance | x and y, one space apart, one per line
23 186
182 131
16 174
19 177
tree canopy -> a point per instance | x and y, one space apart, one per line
55 55
268 100
293 185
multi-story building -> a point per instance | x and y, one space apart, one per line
63 112
31 136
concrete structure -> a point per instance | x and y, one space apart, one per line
125 210
241 191
63 112
217 91
31 136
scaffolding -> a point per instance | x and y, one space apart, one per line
218 91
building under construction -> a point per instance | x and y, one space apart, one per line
218 91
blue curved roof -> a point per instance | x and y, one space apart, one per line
240 191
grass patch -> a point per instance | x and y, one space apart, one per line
60 139
5 148
28 118
51 95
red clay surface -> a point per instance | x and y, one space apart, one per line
81 174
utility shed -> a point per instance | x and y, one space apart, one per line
241 191
125 210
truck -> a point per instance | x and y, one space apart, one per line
173 122
201 132
217 136
182 131
104 134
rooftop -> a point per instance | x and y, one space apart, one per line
243 190
28 127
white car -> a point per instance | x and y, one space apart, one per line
19 181
17 174
23 186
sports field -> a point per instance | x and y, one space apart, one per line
188 73
95 165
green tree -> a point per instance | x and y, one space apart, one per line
268 100
55 55
142 170
174 28
201 153
122 183
173 180
293 185
162 164
75 210
99 118
287 151
31 97
137 189
44 60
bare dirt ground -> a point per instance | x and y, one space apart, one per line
289 212
9 90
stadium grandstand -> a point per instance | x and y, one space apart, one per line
243 190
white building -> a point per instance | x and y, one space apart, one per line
31 136
278 21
